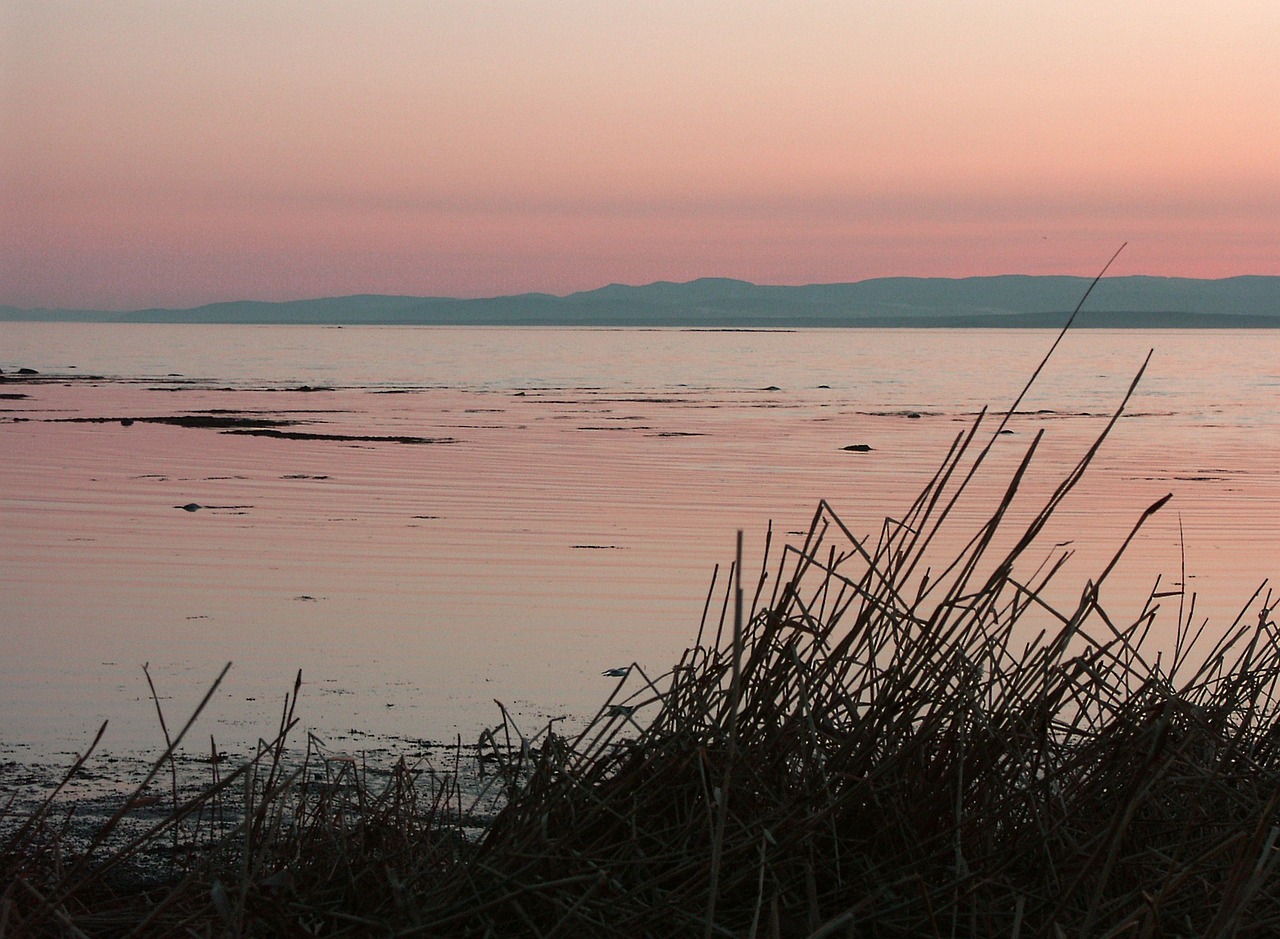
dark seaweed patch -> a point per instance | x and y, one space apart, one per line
363 438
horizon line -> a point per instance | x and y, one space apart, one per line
619 284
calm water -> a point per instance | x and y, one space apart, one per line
581 487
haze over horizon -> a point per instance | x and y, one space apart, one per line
172 155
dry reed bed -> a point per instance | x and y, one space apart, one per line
881 738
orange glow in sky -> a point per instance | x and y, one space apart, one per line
171 154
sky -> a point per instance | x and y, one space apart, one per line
177 153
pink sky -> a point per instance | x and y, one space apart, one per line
171 154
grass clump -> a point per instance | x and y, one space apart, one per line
891 746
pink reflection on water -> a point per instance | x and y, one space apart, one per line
566 530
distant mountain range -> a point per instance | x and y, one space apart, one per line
718 303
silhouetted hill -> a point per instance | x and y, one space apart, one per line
1005 301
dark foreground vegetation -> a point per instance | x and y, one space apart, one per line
895 736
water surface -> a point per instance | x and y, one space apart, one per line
573 493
